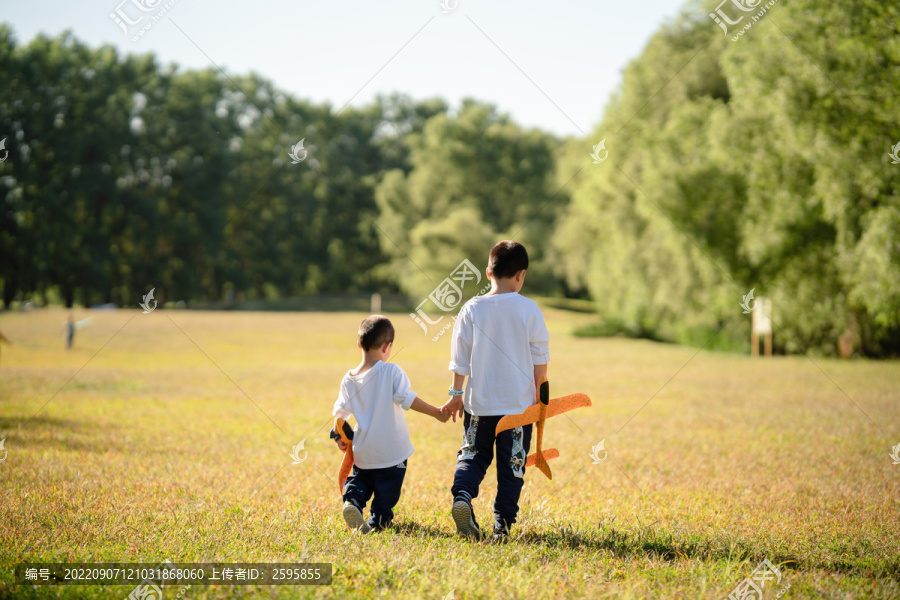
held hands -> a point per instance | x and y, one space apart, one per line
453 407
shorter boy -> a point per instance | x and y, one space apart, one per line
376 393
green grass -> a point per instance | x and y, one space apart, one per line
715 462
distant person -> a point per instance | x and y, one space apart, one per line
70 331
500 343
376 393
3 340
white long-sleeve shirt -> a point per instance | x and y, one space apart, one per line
377 399
496 342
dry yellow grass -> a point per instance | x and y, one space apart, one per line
168 436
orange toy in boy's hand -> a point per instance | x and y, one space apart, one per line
344 434
538 413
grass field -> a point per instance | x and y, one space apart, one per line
167 436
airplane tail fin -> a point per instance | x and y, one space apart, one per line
540 461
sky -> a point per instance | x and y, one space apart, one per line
551 65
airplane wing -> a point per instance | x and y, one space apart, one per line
557 406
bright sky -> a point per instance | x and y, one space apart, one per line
551 65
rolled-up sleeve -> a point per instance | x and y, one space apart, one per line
539 339
403 395
342 404
461 344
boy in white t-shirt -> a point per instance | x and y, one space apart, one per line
376 393
500 342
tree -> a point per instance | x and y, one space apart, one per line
476 178
748 165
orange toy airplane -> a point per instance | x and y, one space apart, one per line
345 433
538 413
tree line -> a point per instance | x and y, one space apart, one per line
757 163
764 163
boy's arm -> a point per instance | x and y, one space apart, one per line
539 340
540 372
460 361
423 407
455 404
408 400
341 409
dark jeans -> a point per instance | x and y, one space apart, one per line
476 455
385 484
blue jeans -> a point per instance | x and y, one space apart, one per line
385 484
476 455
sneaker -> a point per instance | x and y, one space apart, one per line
353 517
501 533
376 525
465 518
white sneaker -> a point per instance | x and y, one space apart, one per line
353 517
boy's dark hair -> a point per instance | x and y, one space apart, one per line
507 258
375 332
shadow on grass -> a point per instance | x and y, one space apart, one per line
418 530
628 544
666 545
49 432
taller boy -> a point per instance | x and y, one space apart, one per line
500 342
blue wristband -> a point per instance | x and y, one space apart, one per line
457 392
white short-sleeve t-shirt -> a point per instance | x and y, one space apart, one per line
377 399
496 342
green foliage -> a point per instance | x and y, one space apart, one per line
612 328
125 175
760 163
476 178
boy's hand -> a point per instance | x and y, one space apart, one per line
442 416
454 405
342 444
